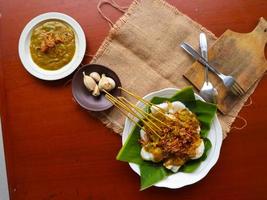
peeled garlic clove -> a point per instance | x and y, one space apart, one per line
106 83
96 91
95 76
89 82
112 83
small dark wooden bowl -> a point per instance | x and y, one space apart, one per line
84 97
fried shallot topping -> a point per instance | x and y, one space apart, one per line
50 41
179 139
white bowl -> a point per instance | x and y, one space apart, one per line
181 179
24 47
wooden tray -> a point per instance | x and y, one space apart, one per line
238 54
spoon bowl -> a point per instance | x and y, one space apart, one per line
208 92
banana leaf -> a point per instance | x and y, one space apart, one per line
151 173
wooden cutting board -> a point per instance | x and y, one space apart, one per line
238 54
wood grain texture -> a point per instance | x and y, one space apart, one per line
56 150
240 55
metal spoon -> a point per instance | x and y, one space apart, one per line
207 92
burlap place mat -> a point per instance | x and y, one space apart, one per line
143 49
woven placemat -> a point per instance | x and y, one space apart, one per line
143 49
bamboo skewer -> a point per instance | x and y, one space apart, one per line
124 113
143 113
149 120
122 105
142 100
139 112
133 114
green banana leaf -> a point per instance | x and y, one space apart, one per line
151 173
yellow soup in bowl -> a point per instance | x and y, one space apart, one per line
52 44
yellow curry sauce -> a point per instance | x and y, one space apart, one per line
52 44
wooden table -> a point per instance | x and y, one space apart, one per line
56 150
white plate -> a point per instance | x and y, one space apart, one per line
181 179
24 47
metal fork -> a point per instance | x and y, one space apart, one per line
229 81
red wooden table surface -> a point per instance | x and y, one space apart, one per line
56 150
